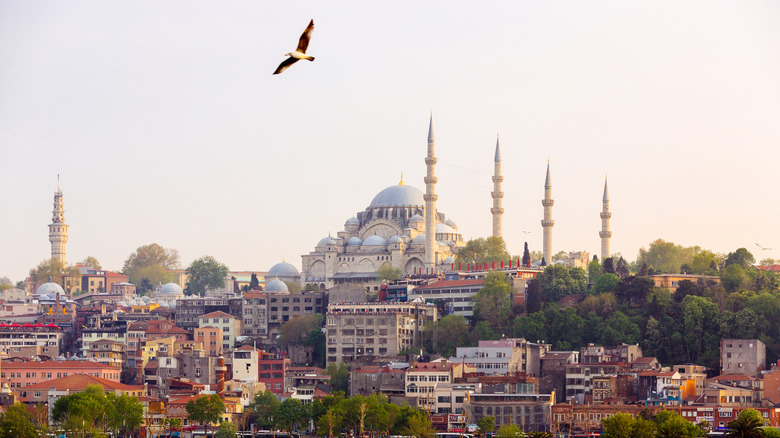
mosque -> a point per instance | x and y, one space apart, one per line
393 230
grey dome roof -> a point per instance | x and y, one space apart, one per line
398 196
375 240
416 218
354 241
50 288
395 239
275 286
352 221
449 260
325 241
283 269
171 289
444 229
451 223
420 239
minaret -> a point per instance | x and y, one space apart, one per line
430 203
58 231
547 222
605 234
497 211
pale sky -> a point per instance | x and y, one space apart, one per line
165 124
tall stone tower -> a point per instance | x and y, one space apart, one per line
547 222
58 231
430 198
605 233
497 211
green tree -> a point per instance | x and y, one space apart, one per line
557 282
526 255
605 283
16 422
486 424
733 277
388 273
747 425
254 282
533 297
449 333
420 426
55 271
594 270
206 273
291 414
620 425
127 413
328 423
92 262
481 250
666 257
608 265
226 430
493 303
767 262
264 406
701 262
151 262
206 410
509 431
298 327
621 268
741 257
671 425
339 377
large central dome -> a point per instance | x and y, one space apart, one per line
398 196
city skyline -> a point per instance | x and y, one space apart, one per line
166 124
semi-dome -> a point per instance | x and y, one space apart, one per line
354 241
399 195
353 221
375 240
171 289
325 241
275 286
283 269
395 239
444 229
416 218
419 240
451 223
50 288
449 260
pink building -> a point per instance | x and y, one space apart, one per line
19 374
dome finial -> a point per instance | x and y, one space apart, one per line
400 183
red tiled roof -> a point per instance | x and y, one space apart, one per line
431 366
217 314
255 295
773 268
79 382
645 359
452 283
65 364
728 377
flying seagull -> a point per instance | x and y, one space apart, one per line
765 249
300 52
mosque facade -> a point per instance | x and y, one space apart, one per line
391 231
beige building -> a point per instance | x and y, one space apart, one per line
107 352
374 329
672 281
229 324
211 339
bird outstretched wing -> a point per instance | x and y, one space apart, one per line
285 65
303 43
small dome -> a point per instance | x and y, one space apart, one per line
449 260
419 240
325 241
398 196
275 286
50 288
353 221
283 269
416 218
451 223
395 239
375 240
354 241
171 289
444 229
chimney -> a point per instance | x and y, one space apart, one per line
220 373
